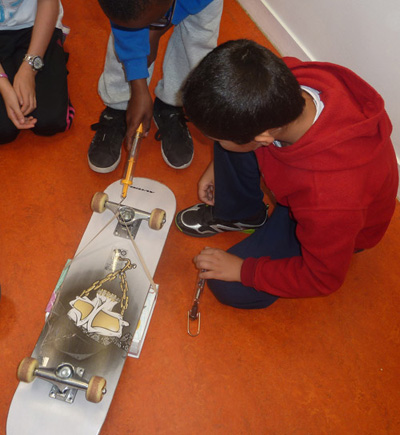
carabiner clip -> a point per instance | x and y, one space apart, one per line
189 319
193 313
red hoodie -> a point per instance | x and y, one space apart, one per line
339 181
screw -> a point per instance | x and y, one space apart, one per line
64 372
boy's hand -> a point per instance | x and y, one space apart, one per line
14 111
140 110
24 86
218 264
206 185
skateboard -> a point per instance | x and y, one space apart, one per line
68 383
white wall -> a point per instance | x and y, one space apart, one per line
363 35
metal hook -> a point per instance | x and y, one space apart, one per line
193 313
198 325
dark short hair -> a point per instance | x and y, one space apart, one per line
240 90
125 10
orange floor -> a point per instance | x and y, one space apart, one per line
314 366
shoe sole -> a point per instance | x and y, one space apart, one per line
198 235
202 236
104 170
171 165
186 165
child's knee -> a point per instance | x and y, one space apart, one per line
56 121
237 295
8 133
220 291
50 126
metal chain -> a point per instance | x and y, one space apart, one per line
110 277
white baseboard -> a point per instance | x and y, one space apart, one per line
274 29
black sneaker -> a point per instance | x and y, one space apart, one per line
176 141
198 221
105 149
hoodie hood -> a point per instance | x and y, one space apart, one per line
354 120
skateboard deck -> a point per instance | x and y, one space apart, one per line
88 332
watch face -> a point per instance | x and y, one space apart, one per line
37 63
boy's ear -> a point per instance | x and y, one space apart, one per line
265 137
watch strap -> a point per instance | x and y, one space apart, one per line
30 58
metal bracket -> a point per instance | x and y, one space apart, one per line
122 231
65 379
127 217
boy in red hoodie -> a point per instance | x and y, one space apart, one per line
320 137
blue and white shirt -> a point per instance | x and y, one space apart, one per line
21 14
132 45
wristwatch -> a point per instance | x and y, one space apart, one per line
36 62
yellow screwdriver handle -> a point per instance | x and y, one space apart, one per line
127 181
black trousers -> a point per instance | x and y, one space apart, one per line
238 195
53 112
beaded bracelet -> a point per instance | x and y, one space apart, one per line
3 76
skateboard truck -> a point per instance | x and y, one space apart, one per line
129 218
66 380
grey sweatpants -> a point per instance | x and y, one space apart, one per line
191 40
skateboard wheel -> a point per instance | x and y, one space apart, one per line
157 219
98 203
26 369
96 389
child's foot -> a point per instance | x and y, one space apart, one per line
105 149
176 141
198 221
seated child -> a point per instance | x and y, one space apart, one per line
320 138
33 73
